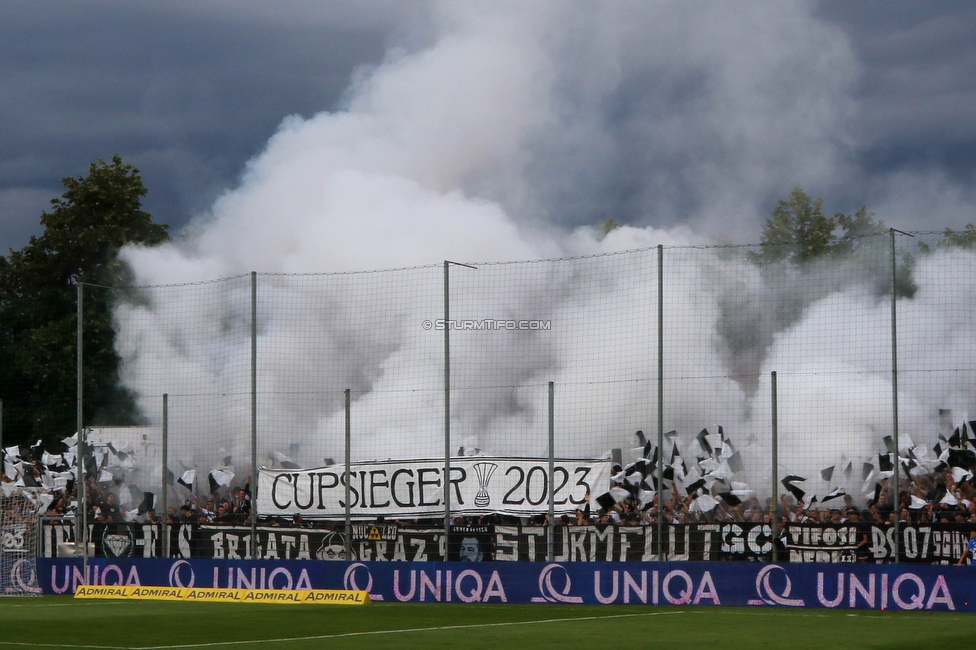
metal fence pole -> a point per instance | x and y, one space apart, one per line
447 405
348 541
773 509
447 397
660 402
3 460
895 489
896 505
164 542
552 469
254 415
81 513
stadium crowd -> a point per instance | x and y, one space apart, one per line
943 490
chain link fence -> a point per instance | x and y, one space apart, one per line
722 402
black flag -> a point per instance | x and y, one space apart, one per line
148 503
792 489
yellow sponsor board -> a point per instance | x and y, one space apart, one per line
191 594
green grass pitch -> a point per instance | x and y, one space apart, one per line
61 622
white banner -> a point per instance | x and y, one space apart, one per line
516 486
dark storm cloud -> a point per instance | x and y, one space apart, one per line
698 116
918 89
185 91
892 126
916 100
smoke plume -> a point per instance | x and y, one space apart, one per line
482 130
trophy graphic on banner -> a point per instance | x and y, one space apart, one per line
484 472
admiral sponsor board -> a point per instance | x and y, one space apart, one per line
412 488
755 584
213 594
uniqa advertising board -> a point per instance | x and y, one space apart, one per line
756 584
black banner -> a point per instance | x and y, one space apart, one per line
471 544
920 544
607 543
937 543
827 542
109 539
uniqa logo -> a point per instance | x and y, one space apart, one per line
176 574
23 577
550 594
768 596
350 582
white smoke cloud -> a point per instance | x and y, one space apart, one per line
466 148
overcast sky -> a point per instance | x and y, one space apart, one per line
697 113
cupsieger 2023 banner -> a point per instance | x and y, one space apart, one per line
415 488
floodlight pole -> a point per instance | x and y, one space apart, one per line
447 397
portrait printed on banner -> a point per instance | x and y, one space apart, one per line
470 544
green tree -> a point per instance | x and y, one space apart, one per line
965 239
857 227
83 232
604 228
798 231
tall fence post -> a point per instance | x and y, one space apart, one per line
895 489
254 416
660 402
3 460
552 470
447 397
447 405
164 542
773 506
81 514
348 536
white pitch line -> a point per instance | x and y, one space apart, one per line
39 644
403 631
99 603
